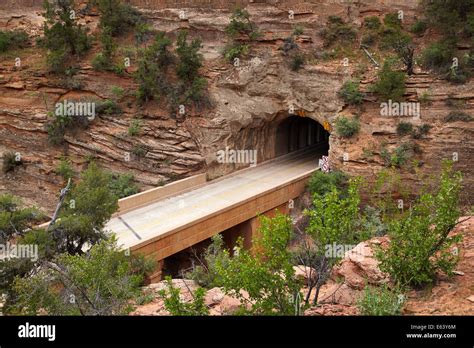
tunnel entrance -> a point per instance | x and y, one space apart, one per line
296 133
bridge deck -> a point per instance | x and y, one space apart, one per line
159 218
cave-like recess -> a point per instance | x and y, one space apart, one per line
296 133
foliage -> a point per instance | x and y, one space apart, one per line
404 128
62 35
267 275
438 56
390 83
177 307
205 273
100 282
372 22
139 150
122 185
333 220
421 131
392 20
89 205
13 39
298 29
240 24
346 127
60 124
107 107
235 50
117 16
64 169
321 183
190 60
337 31
455 116
419 27
152 67
380 301
350 93
104 61
420 245
135 127
10 161
15 218
451 17
399 156
297 62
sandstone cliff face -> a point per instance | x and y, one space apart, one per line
248 101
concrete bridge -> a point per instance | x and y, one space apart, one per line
166 220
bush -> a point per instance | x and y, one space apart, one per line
107 107
298 30
368 39
297 62
419 27
62 35
117 16
205 274
420 244
61 124
455 116
390 83
10 161
122 185
135 127
346 127
404 128
438 56
240 24
372 22
64 169
13 39
351 93
321 183
235 50
171 296
391 20
399 156
139 150
421 131
380 301
337 31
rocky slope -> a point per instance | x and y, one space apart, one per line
248 101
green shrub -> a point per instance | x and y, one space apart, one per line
241 24
122 185
321 183
63 36
135 127
337 31
438 56
346 127
13 39
398 157
107 107
117 91
235 50
64 169
297 62
372 22
380 301
390 83
60 124
421 131
205 273
369 39
171 296
391 20
117 16
419 27
420 244
139 150
351 93
11 160
298 30
404 128
455 116
190 60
